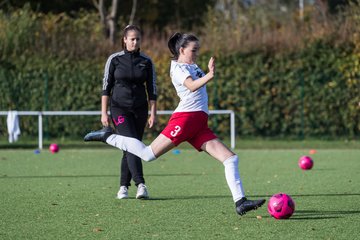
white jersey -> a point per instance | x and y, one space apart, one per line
189 101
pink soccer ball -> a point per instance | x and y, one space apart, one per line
54 148
306 163
281 206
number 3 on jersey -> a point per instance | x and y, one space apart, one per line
176 131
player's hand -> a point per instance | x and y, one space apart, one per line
105 119
211 65
151 121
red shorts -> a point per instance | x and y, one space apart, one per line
189 126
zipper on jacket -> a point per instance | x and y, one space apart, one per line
132 70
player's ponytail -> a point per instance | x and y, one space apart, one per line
178 40
174 39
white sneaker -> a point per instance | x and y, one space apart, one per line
142 192
122 193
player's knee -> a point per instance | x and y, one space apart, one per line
234 159
148 155
148 159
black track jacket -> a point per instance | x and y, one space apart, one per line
124 77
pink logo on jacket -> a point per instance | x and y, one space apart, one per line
119 120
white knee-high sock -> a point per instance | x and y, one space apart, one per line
131 145
233 177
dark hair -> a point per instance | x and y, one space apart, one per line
125 32
178 40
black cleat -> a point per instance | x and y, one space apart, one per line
244 205
99 135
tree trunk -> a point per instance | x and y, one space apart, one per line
133 11
322 5
111 20
108 20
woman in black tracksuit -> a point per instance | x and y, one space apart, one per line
129 85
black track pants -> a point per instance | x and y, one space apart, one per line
130 123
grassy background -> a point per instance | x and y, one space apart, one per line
71 195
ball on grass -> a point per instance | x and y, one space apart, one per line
281 206
54 148
306 163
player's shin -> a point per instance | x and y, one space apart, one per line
131 145
233 177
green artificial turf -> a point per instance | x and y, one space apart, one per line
71 195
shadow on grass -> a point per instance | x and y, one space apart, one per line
315 214
59 176
315 195
188 197
324 169
95 176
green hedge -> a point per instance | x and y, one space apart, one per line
314 92
51 85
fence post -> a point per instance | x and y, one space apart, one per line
302 105
232 125
46 102
40 131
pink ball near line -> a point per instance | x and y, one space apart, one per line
306 163
54 148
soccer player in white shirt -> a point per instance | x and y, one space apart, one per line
189 120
